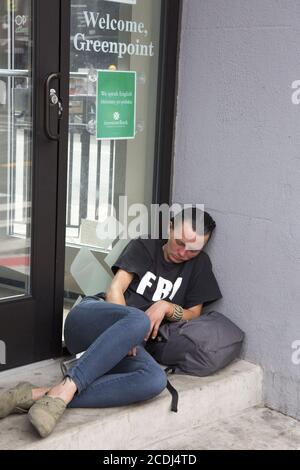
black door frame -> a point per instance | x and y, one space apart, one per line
46 40
166 100
62 179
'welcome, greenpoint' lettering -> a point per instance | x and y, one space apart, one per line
119 48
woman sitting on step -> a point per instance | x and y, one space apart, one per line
155 281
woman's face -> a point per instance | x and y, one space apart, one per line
183 244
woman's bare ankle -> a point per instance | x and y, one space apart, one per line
65 390
38 393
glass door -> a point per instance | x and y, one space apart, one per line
109 174
16 148
28 179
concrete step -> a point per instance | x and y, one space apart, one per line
257 428
202 402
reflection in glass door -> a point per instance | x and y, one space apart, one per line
116 36
15 147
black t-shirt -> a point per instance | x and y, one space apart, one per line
187 284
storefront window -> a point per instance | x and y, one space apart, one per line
116 36
16 148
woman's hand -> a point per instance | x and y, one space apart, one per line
156 313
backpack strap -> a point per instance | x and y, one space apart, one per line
172 390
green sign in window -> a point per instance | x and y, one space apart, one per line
116 104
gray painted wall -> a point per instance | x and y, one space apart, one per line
237 150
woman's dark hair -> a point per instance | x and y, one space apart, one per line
197 218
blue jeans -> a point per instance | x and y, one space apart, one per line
104 375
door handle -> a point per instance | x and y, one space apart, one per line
52 100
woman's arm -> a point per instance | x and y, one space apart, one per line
119 284
115 293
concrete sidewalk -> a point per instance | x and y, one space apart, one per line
202 401
257 428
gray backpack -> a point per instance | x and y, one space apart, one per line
196 347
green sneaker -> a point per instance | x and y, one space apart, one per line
45 413
17 399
